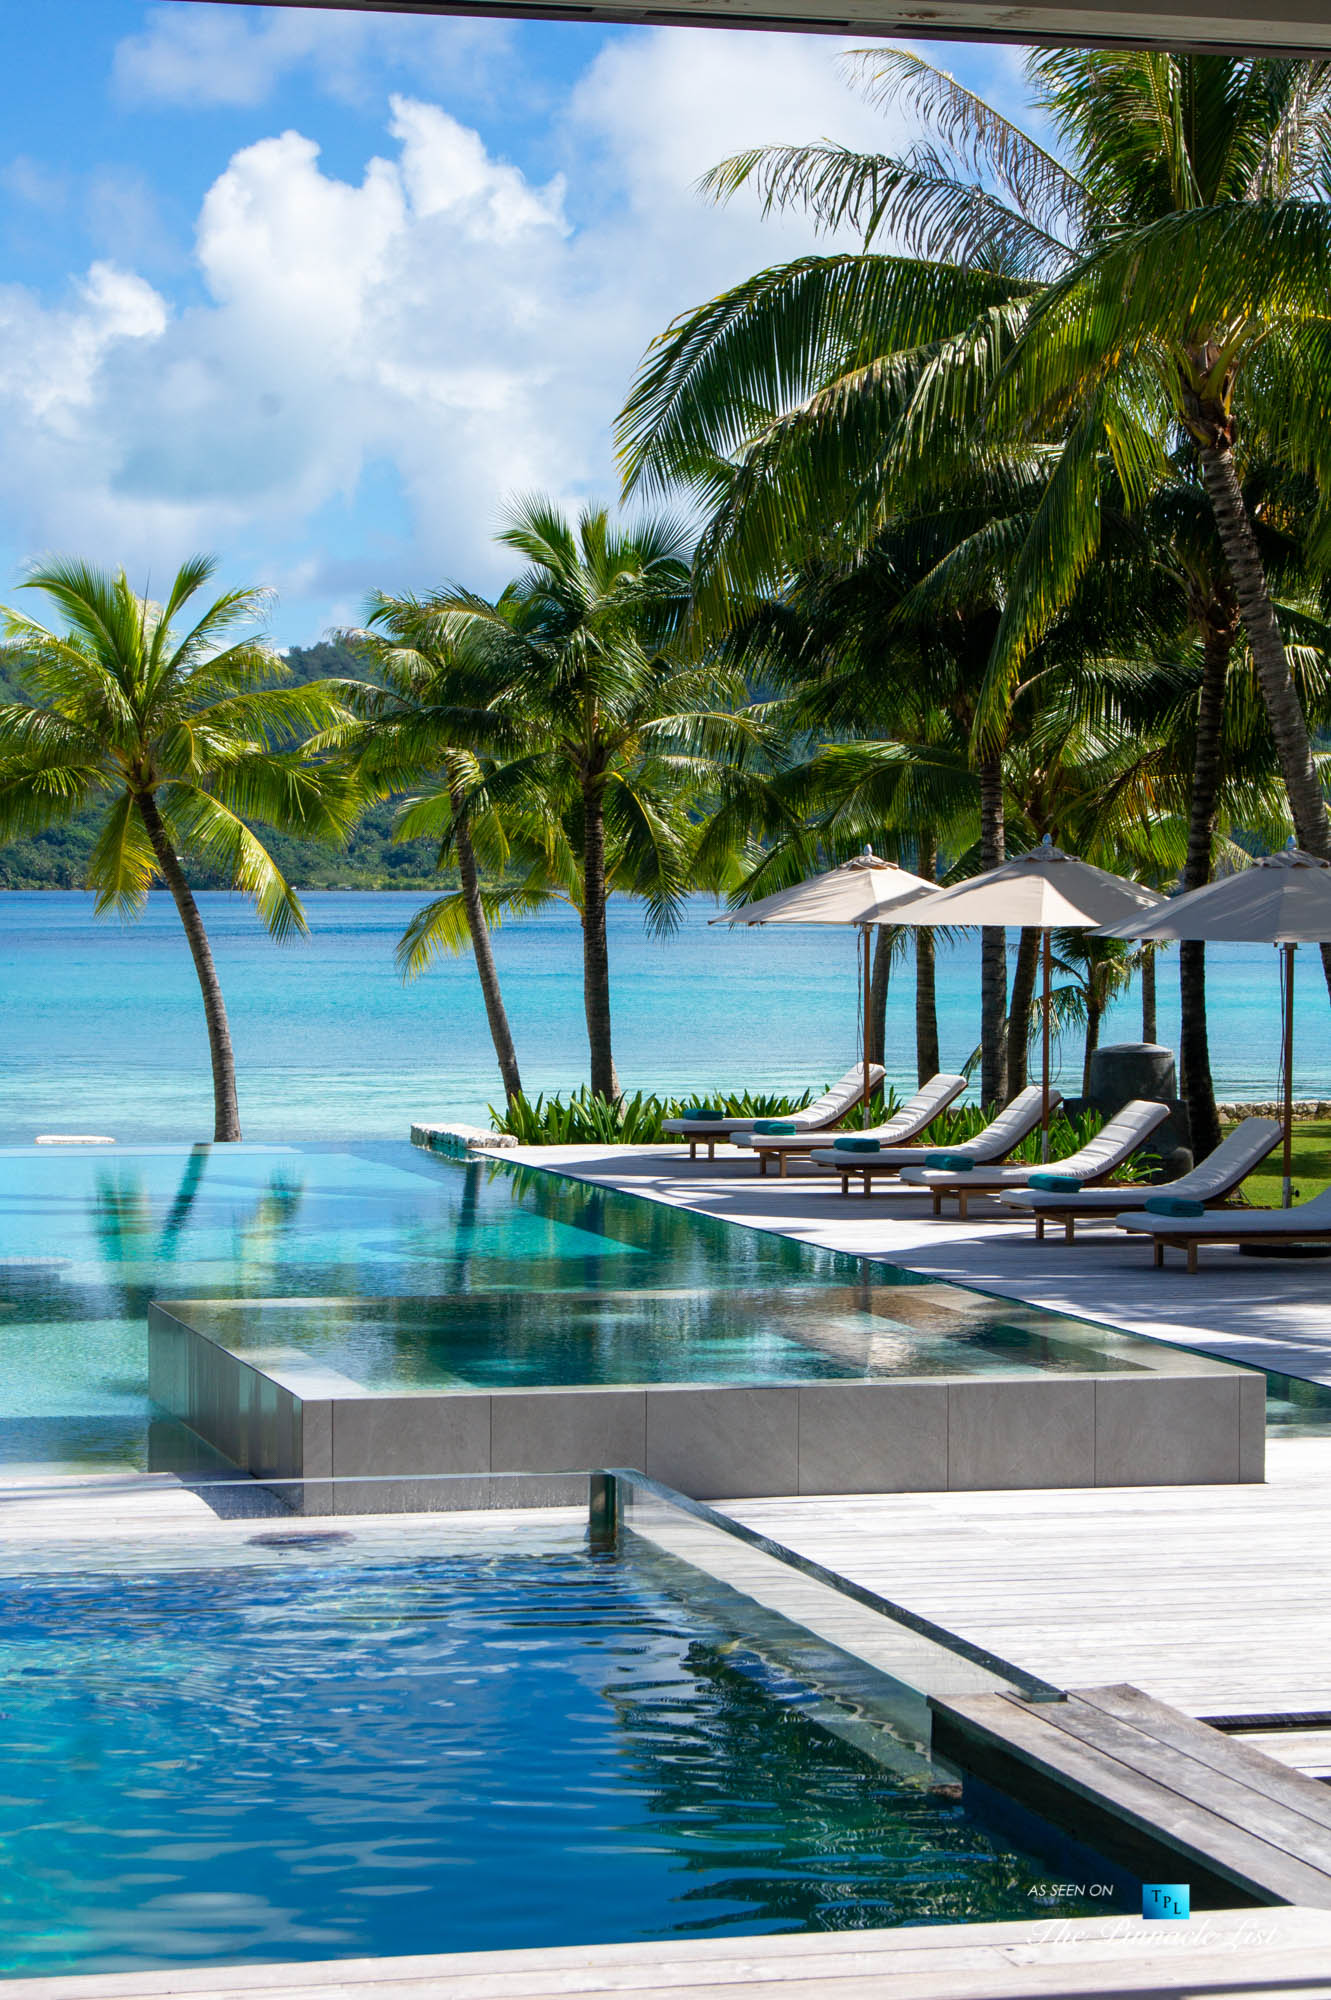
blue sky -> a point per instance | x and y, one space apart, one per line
320 291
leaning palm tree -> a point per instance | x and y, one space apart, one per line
421 718
182 737
584 662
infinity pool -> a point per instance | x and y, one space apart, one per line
402 1271
288 1747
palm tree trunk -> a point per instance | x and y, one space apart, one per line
879 979
1284 711
1094 1013
926 1005
926 960
1148 996
1218 634
1019 1010
595 951
226 1112
993 944
483 952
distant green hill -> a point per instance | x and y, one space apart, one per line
59 859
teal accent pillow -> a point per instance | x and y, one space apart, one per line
957 1163
857 1145
1172 1204
702 1111
774 1125
1056 1183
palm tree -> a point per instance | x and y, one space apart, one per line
1199 293
619 729
184 737
421 717
1169 278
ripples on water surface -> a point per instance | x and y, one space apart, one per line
312 1757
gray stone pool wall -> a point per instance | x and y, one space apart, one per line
1179 1420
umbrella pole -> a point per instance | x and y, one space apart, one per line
1044 1037
868 1012
1286 1188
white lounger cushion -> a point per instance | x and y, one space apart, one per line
994 1143
1312 1215
1116 1142
1218 1175
825 1110
904 1124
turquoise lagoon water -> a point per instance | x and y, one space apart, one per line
402 1270
101 1029
276 1752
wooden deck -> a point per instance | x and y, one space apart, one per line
1166 1797
1215 1599
1277 1954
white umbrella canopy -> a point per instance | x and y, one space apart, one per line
861 891
855 893
1045 890
1282 899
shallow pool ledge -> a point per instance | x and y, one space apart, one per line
286 1417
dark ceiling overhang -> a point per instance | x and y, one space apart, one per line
1284 27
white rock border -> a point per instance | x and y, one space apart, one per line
1304 1107
456 1141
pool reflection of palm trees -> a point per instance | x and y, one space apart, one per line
132 1242
807 1831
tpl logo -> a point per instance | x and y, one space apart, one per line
1165 1899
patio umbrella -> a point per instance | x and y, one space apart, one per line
1282 899
859 892
1045 890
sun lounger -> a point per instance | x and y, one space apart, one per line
820 1116
905 1125
1116 1142
1211 1183
993 1144
1308 1222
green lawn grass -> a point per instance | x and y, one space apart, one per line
1312 1167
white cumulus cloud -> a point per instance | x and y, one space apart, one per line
367 368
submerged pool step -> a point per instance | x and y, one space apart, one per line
1152 1788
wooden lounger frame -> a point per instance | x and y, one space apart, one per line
1191 1241
1069 1217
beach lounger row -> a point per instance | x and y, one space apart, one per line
1184 1214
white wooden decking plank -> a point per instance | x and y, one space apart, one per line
1272 1953
1215 1599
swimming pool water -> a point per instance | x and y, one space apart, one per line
316 1754
400 1270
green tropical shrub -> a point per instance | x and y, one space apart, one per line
579 1119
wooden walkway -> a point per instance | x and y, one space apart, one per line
1277 1954
1136 1777
1215 1599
